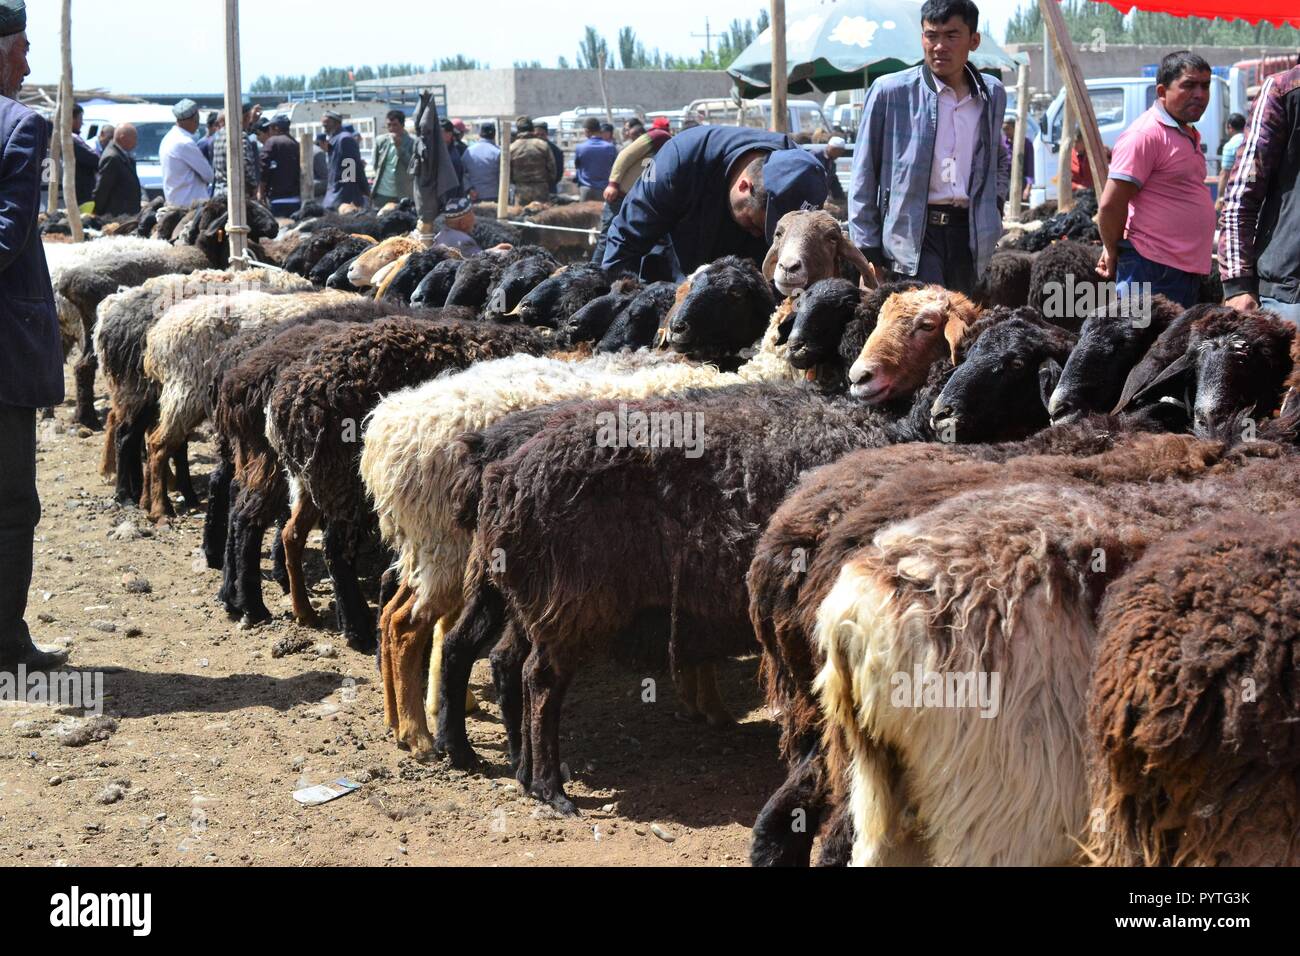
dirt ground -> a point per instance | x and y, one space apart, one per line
207 734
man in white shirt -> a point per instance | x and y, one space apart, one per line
186 173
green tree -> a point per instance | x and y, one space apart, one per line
1091 24
593 50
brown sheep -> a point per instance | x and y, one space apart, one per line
1194 708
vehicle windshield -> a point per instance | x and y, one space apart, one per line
150 140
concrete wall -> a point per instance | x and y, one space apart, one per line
1127 60
546 92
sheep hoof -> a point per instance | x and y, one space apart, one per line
420 746
254 617
460 755
364 644
557 801
688 716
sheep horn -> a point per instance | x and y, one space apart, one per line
854 256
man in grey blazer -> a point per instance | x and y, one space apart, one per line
31 358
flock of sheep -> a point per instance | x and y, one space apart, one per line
1091 515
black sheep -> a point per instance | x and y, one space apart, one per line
342 253
432 291
517 280
594 319
1006 280
310 251
727 301
639 320
401 287
476 280
1110 343
1000 388
562 294
1064 285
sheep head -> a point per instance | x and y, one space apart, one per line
821 315
914 330
724 306
364 268
520 278
1240 362
807 247
999 390
1111 342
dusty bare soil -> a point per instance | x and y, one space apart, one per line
207 734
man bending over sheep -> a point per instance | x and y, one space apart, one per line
710 192
929 173
31 358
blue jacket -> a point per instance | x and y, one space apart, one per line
347 172
680 211
31 354
891 169
592 161
483 168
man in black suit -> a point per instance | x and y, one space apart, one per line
117 188
31 357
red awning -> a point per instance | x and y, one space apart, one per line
1276 12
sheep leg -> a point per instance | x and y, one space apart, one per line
401 596
355 620
248 579
507 673
477 630
784 830
837 839
279 574
181 463
128 441
230 564
294 535
85 379
160 506
214 523
708 700
409 633
108 459
524 772
547 681
686 680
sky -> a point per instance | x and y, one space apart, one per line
174 46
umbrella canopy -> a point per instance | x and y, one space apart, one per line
830 44
1277 12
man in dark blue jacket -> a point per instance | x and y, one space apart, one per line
347 170
31 358
711 191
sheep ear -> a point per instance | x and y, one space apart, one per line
853 255
1049 376
769 262
1139 386
954 330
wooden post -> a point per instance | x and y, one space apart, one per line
1076 91
307 169
67 100
604 90
1064 193
780 114
1018 156
237 229
56 154
503 182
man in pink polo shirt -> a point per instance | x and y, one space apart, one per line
1156 217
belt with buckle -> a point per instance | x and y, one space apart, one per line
945 215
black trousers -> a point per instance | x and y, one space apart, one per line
20 510
946 257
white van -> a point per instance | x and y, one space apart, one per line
152 121
1118 101
805 115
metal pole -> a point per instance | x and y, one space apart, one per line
56 154
780 114
1018 156
65 127
237 229
503 182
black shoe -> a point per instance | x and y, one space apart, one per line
36 659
